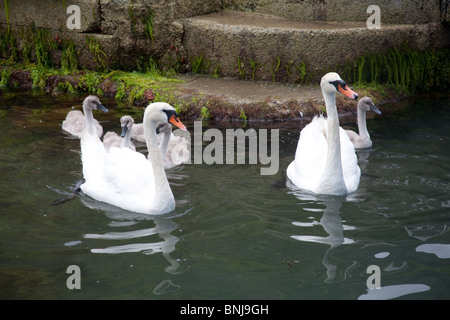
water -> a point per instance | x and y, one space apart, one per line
234 234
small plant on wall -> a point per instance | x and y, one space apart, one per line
148 23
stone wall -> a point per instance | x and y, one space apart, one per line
118 26
114 34
392 11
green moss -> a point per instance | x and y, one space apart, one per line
301 69
66 87
7 12
241 68
121 93
132 85
254 66
43 45
5 78
403 69
275 66
242 115
99 55
216 72
148 23
197 64
204 114
8 44
90 81
39 77
148 66
69 61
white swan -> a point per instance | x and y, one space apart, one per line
174 149
112 139
126 178
75 122
362 140
325 161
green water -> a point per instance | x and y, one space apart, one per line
234 234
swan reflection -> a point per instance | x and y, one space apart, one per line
164 226
331 223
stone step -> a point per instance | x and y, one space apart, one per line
399 11
227 98
263 47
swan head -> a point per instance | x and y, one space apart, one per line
93 102
127 123
366 104
162 112
332 82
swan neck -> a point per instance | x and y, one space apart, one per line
154 155
362 126
333 166
89 119
126 141
333 125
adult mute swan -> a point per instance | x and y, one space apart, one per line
362 140
75 122
112 139
125 178
174 149
325 161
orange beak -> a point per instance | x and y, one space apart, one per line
176 122
348 92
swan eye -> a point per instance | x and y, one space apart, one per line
170 114
336 84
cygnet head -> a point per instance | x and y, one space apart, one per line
163 128
162 112
93 102
366 104
332 82
127 123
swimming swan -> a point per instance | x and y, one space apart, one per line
75 123
174 149
362 140
112 139
126 178
325 161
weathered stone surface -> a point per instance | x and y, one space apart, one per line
398 12
267 47
51 14
263 47
119 26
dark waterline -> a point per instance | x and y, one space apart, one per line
234 233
